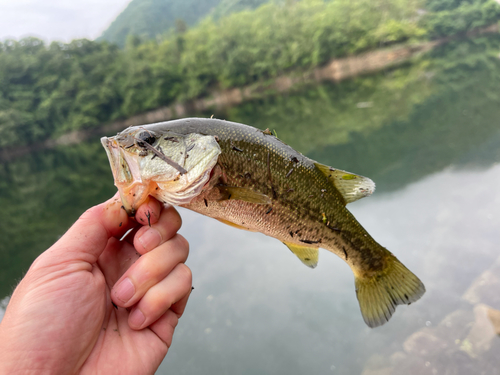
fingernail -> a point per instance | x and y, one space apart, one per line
125 290
150 239
137 318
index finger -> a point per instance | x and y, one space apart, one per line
149 212
149 237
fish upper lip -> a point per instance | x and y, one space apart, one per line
113 151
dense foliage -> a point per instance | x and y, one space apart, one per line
65 86
449 17
48 90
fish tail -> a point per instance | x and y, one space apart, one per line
379 293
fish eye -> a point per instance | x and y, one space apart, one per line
144 137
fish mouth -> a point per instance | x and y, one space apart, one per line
126 174
172 169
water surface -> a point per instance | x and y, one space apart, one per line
428 133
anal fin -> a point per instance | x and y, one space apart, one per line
307 255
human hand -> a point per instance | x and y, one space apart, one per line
61 319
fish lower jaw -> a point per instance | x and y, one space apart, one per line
134 195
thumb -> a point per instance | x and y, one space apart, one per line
88 236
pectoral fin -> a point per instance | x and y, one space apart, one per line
244 194
350 185
307 255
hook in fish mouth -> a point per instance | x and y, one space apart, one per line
172 169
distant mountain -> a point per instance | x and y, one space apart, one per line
149 18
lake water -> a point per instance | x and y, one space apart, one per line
427 133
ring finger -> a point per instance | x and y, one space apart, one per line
148 270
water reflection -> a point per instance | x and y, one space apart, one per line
430 139
41 196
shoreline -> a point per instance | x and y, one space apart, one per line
335 71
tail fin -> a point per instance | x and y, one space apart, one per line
379 294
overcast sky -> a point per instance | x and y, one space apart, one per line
61 20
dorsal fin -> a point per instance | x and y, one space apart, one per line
351 186
307 255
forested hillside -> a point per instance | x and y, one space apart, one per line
148 19
46 91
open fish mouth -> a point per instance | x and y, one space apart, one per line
171 167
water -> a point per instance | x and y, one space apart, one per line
429 135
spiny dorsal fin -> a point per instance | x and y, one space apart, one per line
350 185
307 255
245 194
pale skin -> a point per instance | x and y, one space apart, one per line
61 319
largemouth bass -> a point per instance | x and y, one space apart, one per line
251 180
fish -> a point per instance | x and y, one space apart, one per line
251 180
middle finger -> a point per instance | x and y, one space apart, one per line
148 270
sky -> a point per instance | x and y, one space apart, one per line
61 20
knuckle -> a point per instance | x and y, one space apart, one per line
182 243
175 218
152 307
169 224
147 270
88 215
184 273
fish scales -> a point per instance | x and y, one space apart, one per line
258 183
289 212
